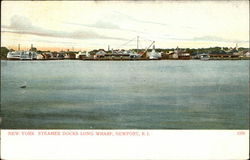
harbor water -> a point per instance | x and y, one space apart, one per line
74 94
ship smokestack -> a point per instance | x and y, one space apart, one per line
18 47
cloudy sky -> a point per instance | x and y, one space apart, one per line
61 25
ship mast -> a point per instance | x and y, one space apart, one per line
137 43
149 46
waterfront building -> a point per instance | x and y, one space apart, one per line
247 54
49 55
172 55
175 55
70 56
83 55
60 55
164 55
117 56
39 56
184 55
99 54
223 56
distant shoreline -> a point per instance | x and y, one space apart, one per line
216 59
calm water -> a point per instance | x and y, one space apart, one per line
125 94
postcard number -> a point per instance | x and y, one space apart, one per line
241 133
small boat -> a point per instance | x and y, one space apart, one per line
23 86
204 57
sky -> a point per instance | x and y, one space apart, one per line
87 25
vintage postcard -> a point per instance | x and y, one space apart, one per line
125 79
